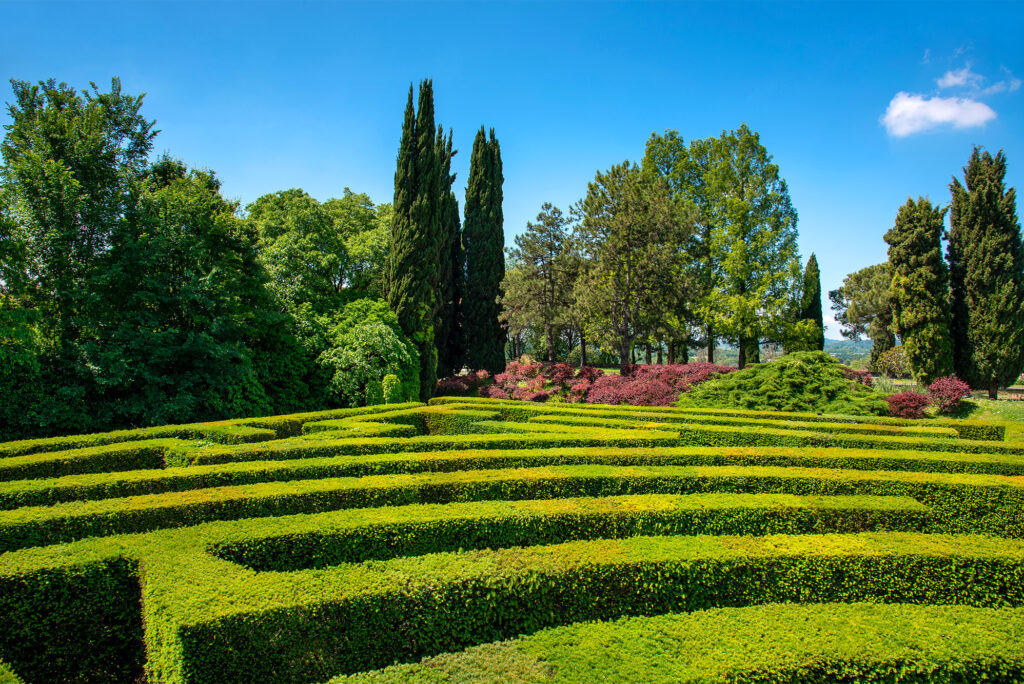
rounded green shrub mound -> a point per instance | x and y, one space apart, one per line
801 381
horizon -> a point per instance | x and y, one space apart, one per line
861 105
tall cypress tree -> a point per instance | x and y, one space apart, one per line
986 260
810 309
450 345
484 241
919 289
412 273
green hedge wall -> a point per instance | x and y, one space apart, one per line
44 492
860 642
962 503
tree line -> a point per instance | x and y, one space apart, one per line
959 313
132 292
694 246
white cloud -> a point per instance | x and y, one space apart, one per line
910 113
1011 84
960 77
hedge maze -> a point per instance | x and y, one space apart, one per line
486 540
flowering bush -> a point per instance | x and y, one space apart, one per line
462 385
946 393
908 404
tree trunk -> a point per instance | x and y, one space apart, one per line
647 354
993 389
583 349
625 345
711 345
741 363
660 358
684 355
549 338
671 353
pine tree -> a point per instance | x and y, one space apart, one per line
919 289
483 239
986 260
811 303
450 343
412 273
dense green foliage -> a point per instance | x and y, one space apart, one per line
861 642
450 333
537 289
413 277
986 267
483 239
919 286
863 306
802 381
303 546
810 309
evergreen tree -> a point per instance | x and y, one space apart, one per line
810 309
450 343
412 273
919 289
863 306
484 240
986 263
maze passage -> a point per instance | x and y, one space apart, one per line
483 538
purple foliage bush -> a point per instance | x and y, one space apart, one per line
861 376
634 389
947 393
908 404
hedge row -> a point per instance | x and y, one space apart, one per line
523 411
393 532
225 432
539 437
963 503
212 620
80 622
98 459
818 643
44 492
967 429
304 626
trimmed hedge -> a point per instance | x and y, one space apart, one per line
860 642
123 456
963 503
967 429
44 492
384 533
304 625
223 432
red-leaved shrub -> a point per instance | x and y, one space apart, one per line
861 376
908 404
454 386
947 392
634 389
493 392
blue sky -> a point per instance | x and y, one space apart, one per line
861 104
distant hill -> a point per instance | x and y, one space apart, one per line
849 351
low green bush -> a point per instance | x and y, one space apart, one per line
98 459
859 642
801 381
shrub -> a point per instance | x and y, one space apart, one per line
635 390
861 376
893 363
909 404
946 393
801 381
390 387
367 344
